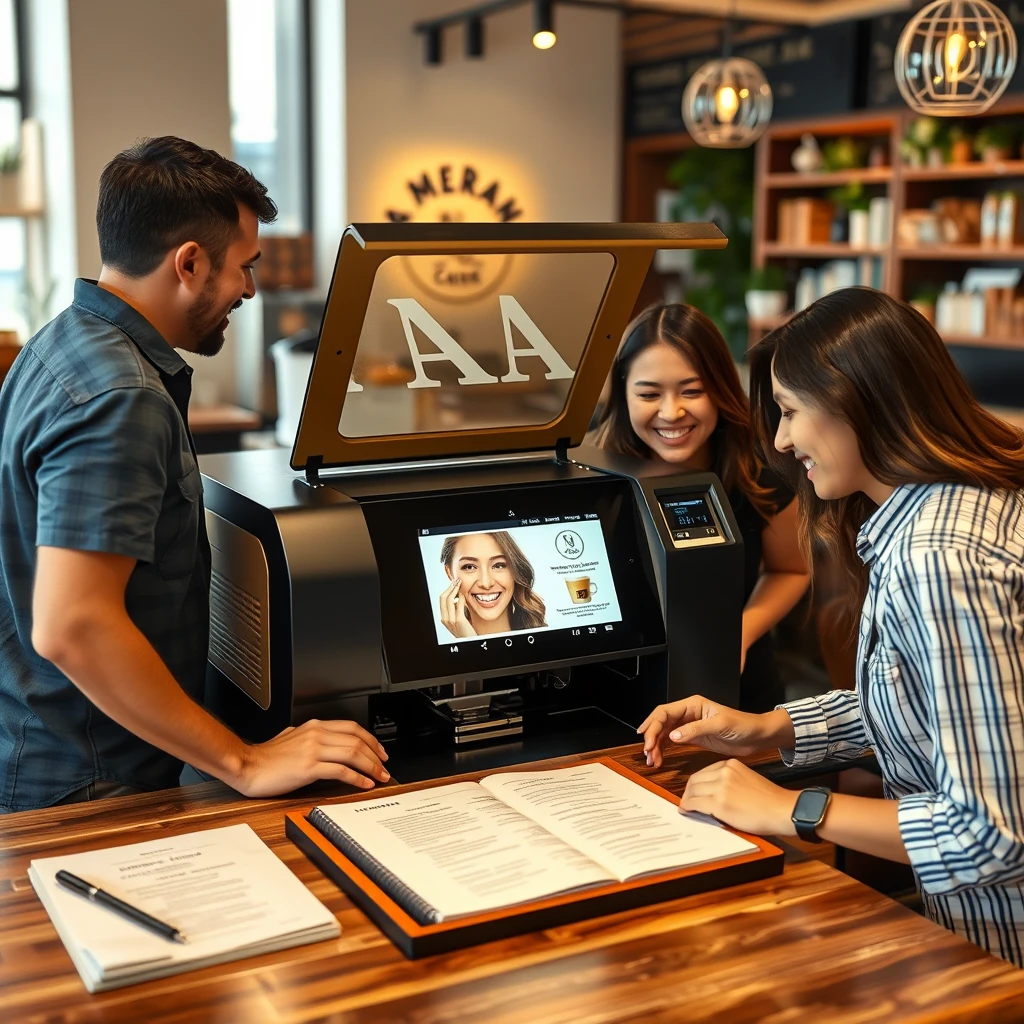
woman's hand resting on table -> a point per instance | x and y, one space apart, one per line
728 790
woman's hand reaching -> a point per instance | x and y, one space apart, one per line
703 723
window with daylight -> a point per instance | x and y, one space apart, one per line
268 68
14 301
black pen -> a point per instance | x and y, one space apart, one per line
104 899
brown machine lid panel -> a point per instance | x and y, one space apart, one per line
444 340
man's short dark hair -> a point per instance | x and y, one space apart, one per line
163 192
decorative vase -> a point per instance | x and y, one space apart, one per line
806 157
934 158
960 152
763 305
994 154
838 231
926 309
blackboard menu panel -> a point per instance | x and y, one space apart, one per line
811 72
885 34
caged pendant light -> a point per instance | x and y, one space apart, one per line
955 58
727 104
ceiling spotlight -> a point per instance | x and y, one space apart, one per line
432 44
543 25
475 36
955 58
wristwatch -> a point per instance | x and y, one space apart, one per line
809 812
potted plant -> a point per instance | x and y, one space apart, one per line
959 145
923 142
844 154
10 179
851 217
766 293
995 141
924 299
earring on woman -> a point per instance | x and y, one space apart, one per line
513 607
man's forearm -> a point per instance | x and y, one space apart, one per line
117 668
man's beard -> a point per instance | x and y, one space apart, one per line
209 337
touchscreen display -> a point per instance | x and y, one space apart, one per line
494 579
487 582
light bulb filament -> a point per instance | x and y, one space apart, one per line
956 47
727 102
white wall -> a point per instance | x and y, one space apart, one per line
546 124
146 68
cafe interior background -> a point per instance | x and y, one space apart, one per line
433 110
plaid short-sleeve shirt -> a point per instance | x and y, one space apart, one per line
95 455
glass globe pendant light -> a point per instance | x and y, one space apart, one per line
955 58
727 104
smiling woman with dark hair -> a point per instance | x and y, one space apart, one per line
675 397
916 491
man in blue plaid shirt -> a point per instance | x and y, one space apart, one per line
104 559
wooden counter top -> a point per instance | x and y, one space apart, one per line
811 945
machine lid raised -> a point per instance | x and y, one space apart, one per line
449 340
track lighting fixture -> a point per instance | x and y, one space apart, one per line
475 36
543 24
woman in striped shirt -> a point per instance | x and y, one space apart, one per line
915 490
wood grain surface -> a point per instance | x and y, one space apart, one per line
810 945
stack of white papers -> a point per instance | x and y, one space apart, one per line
223 888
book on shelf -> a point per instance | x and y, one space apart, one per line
223 888
804 221
520 850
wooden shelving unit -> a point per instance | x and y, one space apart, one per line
904 269
828 179
823 250
970 253
975 170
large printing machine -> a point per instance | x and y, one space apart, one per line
440 456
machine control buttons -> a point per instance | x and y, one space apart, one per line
681 534
711 531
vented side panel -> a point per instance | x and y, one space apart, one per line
240 608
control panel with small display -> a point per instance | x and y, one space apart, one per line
691 519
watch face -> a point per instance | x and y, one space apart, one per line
811 804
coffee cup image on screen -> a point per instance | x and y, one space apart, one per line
581 589
491 589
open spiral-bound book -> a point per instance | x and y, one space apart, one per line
435 863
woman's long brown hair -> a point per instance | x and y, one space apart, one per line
877 364
693 334
526 609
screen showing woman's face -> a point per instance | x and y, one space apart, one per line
487 577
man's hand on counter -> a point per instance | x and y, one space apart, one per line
704 723
336 750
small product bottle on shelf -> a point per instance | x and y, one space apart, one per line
989 219
945 308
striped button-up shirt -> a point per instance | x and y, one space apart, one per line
940 699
